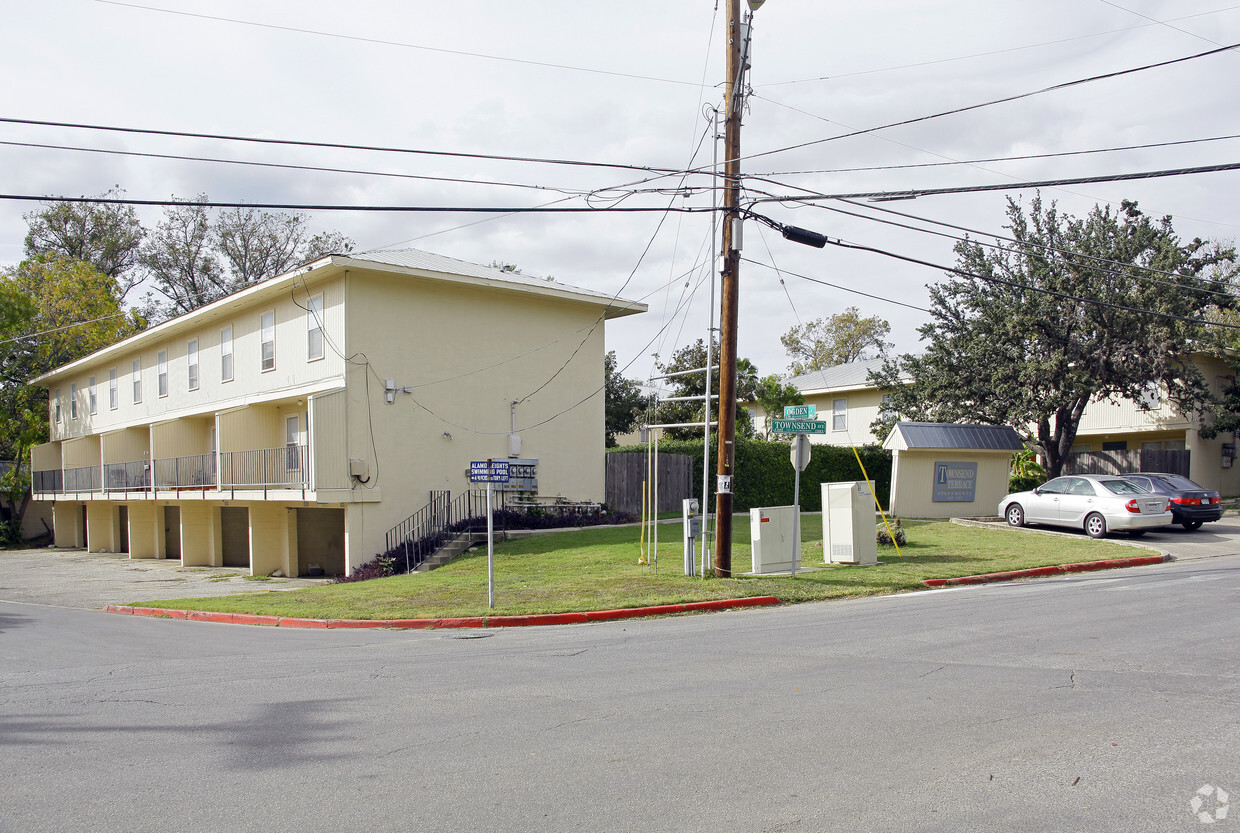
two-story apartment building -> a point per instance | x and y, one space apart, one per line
291 425
843 398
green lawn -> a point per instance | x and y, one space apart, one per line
597 569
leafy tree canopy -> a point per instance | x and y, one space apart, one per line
106 236
842 338
773 394
625 402
693 357
1028 333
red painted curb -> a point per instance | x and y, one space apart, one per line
1032 572
578 617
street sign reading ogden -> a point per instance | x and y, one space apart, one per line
798 426
800 411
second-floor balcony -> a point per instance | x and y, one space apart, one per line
134 476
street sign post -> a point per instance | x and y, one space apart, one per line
800 460
800 411
489 472
798 426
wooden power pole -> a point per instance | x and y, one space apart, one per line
729 301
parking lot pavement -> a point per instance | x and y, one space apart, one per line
76 578
1210 541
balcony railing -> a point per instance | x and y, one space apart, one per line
134 476
49 482
83 479
197 471
287 467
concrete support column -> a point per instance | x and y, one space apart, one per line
355 552
268 538
197 536
143 529
101 532
67 524
292 564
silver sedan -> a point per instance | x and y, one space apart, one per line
1096 503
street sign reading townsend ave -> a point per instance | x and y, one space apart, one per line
798 426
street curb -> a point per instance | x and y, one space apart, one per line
1034 572
574 618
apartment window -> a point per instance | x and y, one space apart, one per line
162 362
268 328
314 328
1151 397
114 393
57 405
226 354
137 381
73 400
839 414
92 398
191 352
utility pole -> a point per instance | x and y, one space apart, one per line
730 280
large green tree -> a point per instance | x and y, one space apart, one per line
693 357
107 236
52 311
624 401
1028 333
842 338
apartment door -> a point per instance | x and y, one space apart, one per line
172 532
235 536
122 515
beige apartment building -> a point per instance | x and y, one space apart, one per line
290 426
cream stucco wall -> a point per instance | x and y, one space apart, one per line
912 483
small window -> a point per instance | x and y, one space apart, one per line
1150 398
839 414
268 327
226 355
57 406
92 398
114 393
314 328
163 372
137 381
73 400
191 352
292 442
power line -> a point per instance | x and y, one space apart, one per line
334 145
1053 88
1160 22
840 287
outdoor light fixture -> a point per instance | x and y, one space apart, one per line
804 236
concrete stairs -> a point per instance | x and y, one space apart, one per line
450 550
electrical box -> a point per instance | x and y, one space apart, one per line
848 523
776 542
692 519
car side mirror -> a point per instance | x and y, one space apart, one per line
1037 490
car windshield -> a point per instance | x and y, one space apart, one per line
1175 481
1123 487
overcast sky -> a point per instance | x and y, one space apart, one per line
627 84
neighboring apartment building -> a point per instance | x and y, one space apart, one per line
294 423
848 403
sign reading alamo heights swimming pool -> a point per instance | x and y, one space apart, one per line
955 482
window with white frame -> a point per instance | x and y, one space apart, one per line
839 414
314 328
114 394
226 354
191 363
1151 397
73 400
162 366
57 406
92 398
292 442
267 326
137 381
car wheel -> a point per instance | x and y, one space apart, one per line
1096 525
1191 525
1137 533
1015 515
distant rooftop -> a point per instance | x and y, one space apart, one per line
851 375
949 435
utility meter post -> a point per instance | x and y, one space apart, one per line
692 518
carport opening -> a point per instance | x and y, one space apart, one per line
235 536
320 542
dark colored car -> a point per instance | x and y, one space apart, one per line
1191 505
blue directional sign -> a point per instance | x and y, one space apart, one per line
488 471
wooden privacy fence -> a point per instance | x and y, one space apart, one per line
1126 461
625 473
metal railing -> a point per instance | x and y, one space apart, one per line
287 467
195 471
424 533
134 476
83 479
48 482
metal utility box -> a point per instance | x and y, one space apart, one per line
848 523
692 520
776 544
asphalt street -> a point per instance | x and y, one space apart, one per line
1102 702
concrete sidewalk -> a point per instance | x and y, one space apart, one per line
76 578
